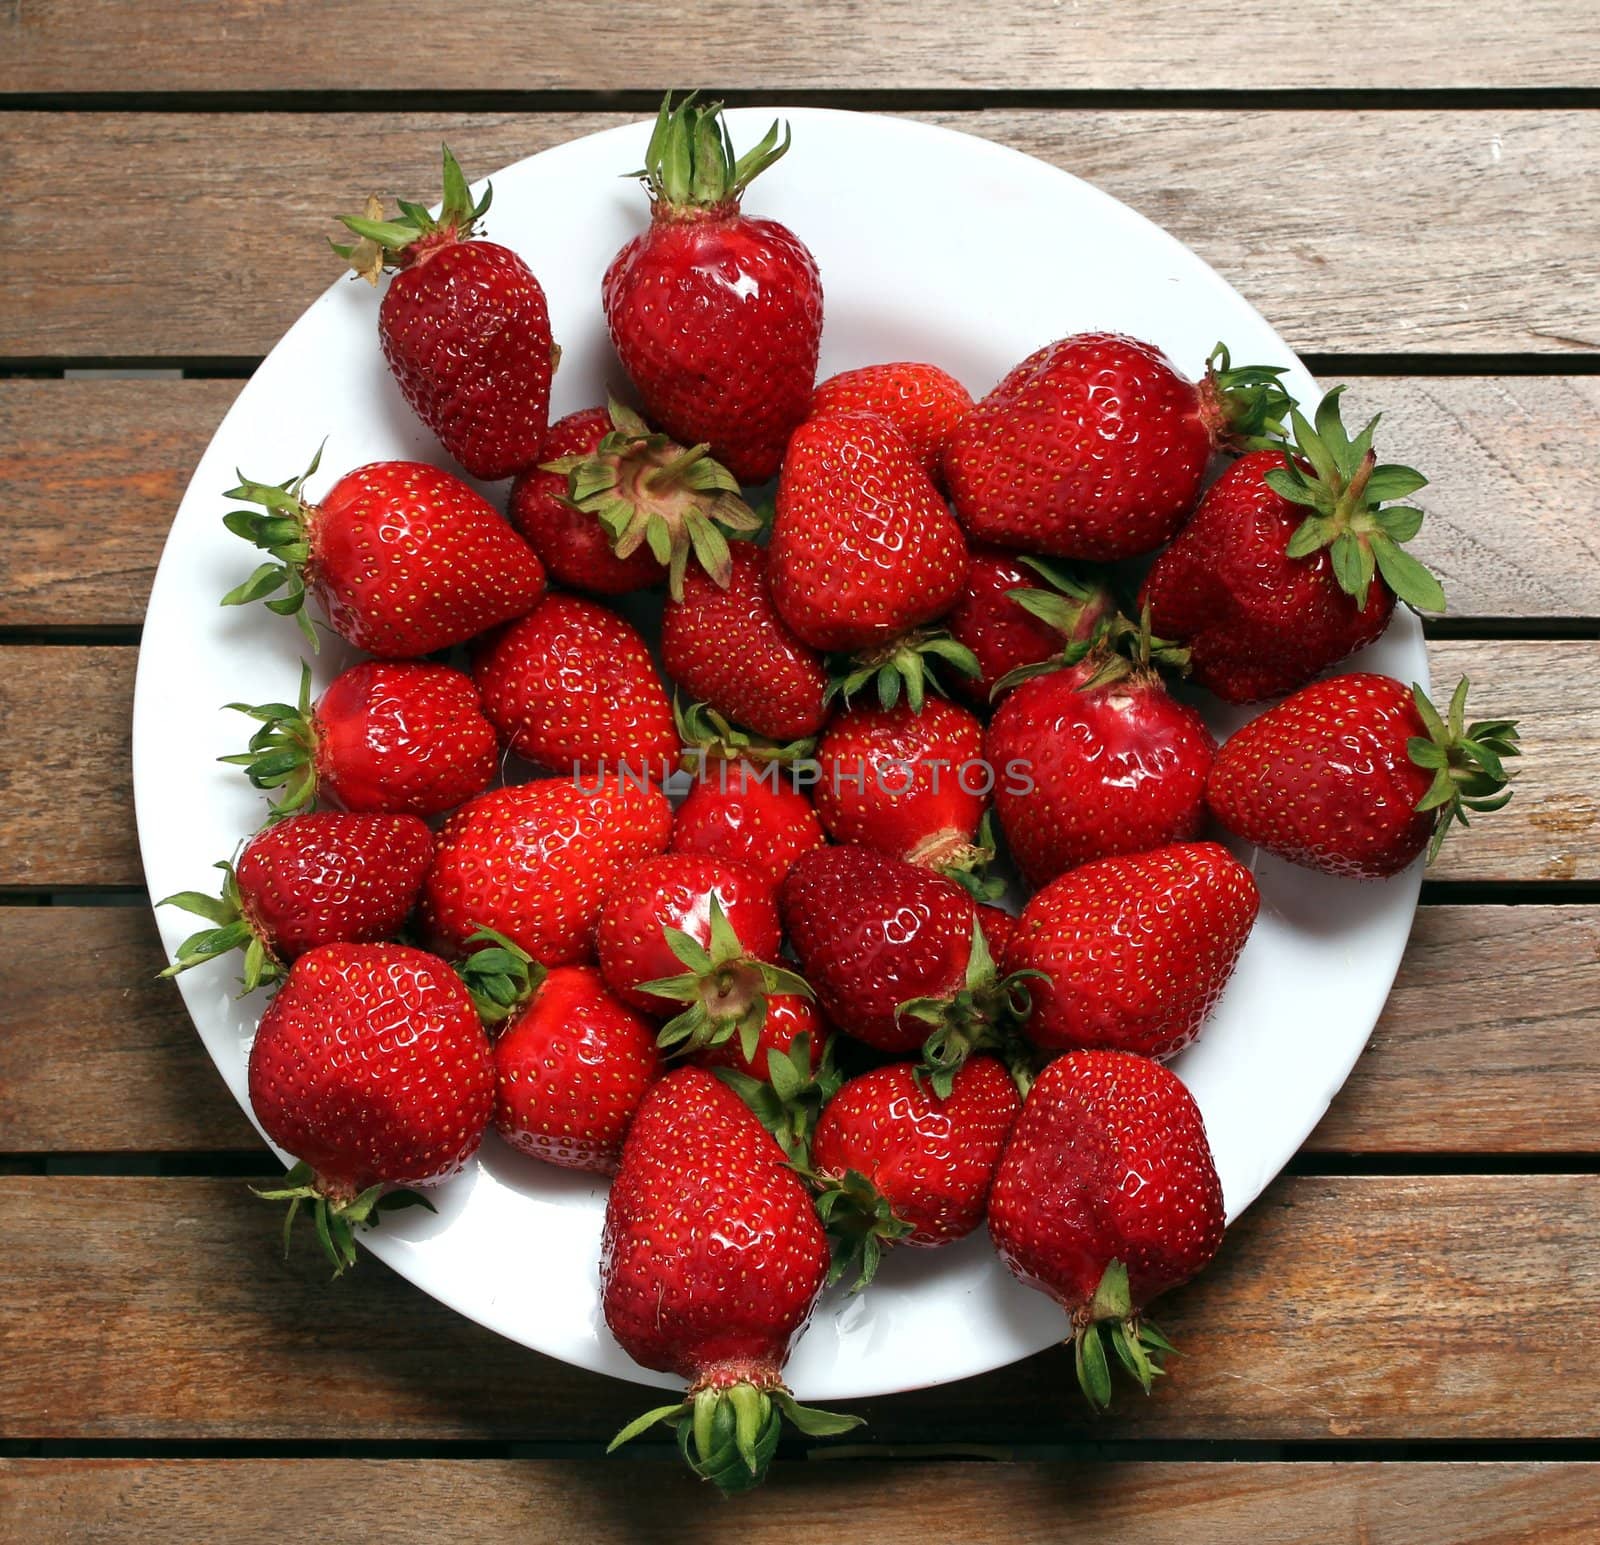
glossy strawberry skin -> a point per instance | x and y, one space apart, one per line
1108 1161
789 1016
731 649
1114 768
913 785
712 1256
1257 622
922 401
674 890
863 548
406 559
536 861
995 628
330 877
1136 950
998 929
1324 779
571 543
333 1083
572 687
570 1071
467 336
1093 447
399 736
932 1160
717 319
872 932
749 815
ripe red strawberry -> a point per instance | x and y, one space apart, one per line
1357 775
1291 562
572 688
403 559
923 402
1133 952
1095 759
389 736
863 548
711 1263
571 1062
717 317
322 878
1095 446
1106 1196
747 813
789 1017
1015 612
998 928
898 1165
644 493
361 1107
536 861
463 326
912 785
729 647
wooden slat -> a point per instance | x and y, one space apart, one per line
94 470
1525 1060
67 816
384 1502
493 45
1392 231
1437 1307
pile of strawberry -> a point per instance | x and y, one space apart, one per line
785 1015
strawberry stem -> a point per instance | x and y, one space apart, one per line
1467 762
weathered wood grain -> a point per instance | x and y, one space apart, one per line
496 45
1430 230
95 469
1524 1059
1420 1307
531 1502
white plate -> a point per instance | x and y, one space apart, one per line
932 245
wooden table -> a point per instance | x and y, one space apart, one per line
1400 1341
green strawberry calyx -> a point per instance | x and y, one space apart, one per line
1114 649
1243 406
905 666
335 1217
647 490
725 989
788 1102
283 752
964 859
728 1425
1467 762
414 234
1348 493
707 737
690 168
499 975
1110 1320
860 1225
281 528
231 929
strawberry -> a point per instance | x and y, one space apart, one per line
372 1068
1358 775
1094 759
463 326
792 1024
1293 561
747 813
1015 612
322 878
536 861
711 1262
1106 1196
998 927
571 1063
895 1164
923 402
1133 952
1095 446
403 559
728 647
390 736
913 785
572 688
717 317
863 548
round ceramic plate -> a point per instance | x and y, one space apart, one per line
970 255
